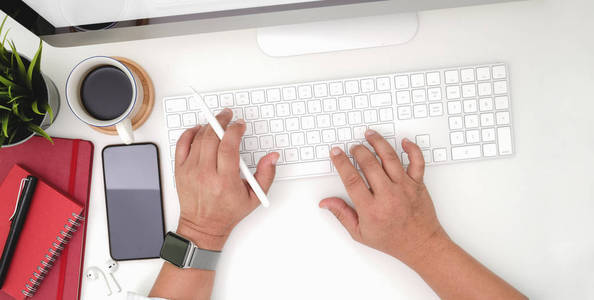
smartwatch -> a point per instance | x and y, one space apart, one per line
182 253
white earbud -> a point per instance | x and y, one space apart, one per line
93 274
111 266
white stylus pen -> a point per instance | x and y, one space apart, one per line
214 123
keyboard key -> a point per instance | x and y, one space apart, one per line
467 75
193 103
344 134
258 97
261 127
266 142
304 169
251 143
328 136
386 114
175 105
426 156
273 95
297 139
282 140
502 118
405 160
466 152
359 132
322 151
237 113
434 94
298 108
504 140
339 119
487 119
485 89
486 104
211 101
361 101
457 138
292 124
454 107
401 82
455 123
472 136
419 96
420 111
404 113
258 155
500 87
307 122
314 106
227 100
417 80
320 90
383 84
384 129
313 137
267 111
453 92
470 106
307 153
383 99
499 72
435 109
251 113
468 91
247 158
452 77
173 121
471 121
490 150
336 89
345 103
440 154
242 98
355 117
283 109
423 141
501 103
370 116
352 87
289 93
174 135
249 129
291 155
304 92
433 78
323 121
189 119
367 85
403 97
483 73
488 135
277 126
330 105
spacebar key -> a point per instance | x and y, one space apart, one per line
303 169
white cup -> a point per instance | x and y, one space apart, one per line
123 123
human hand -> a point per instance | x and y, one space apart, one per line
213 197
395 214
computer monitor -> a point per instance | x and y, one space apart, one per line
64 23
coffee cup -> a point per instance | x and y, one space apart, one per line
101 91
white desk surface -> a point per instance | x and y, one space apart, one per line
529 218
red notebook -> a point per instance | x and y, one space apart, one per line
66 166
50 223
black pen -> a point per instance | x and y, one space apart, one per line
17 221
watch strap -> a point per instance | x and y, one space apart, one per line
204 259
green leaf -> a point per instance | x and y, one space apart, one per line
5 108
22 71
36 109
34 67
22 116
2 138
49 110
6 81
15 99
12 135
5 117
34 128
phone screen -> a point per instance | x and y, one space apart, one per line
133 200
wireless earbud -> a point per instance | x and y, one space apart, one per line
93 274
111 266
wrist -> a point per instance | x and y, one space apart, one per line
202 239
429 250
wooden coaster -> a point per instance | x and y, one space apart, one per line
147 104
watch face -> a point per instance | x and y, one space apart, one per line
174 249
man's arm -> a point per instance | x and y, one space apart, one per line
395 215
213 199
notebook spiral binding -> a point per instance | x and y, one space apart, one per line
52 255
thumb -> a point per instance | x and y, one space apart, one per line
345 214
265 172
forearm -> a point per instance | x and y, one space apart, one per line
454 274
176 284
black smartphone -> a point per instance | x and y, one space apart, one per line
133 199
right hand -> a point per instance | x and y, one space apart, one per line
395 213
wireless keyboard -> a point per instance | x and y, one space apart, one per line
453 114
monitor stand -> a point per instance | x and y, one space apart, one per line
336 35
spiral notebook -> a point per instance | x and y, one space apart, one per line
52 219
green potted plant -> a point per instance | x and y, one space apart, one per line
29 100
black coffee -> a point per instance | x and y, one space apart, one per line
106 93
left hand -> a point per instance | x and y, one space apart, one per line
213 197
